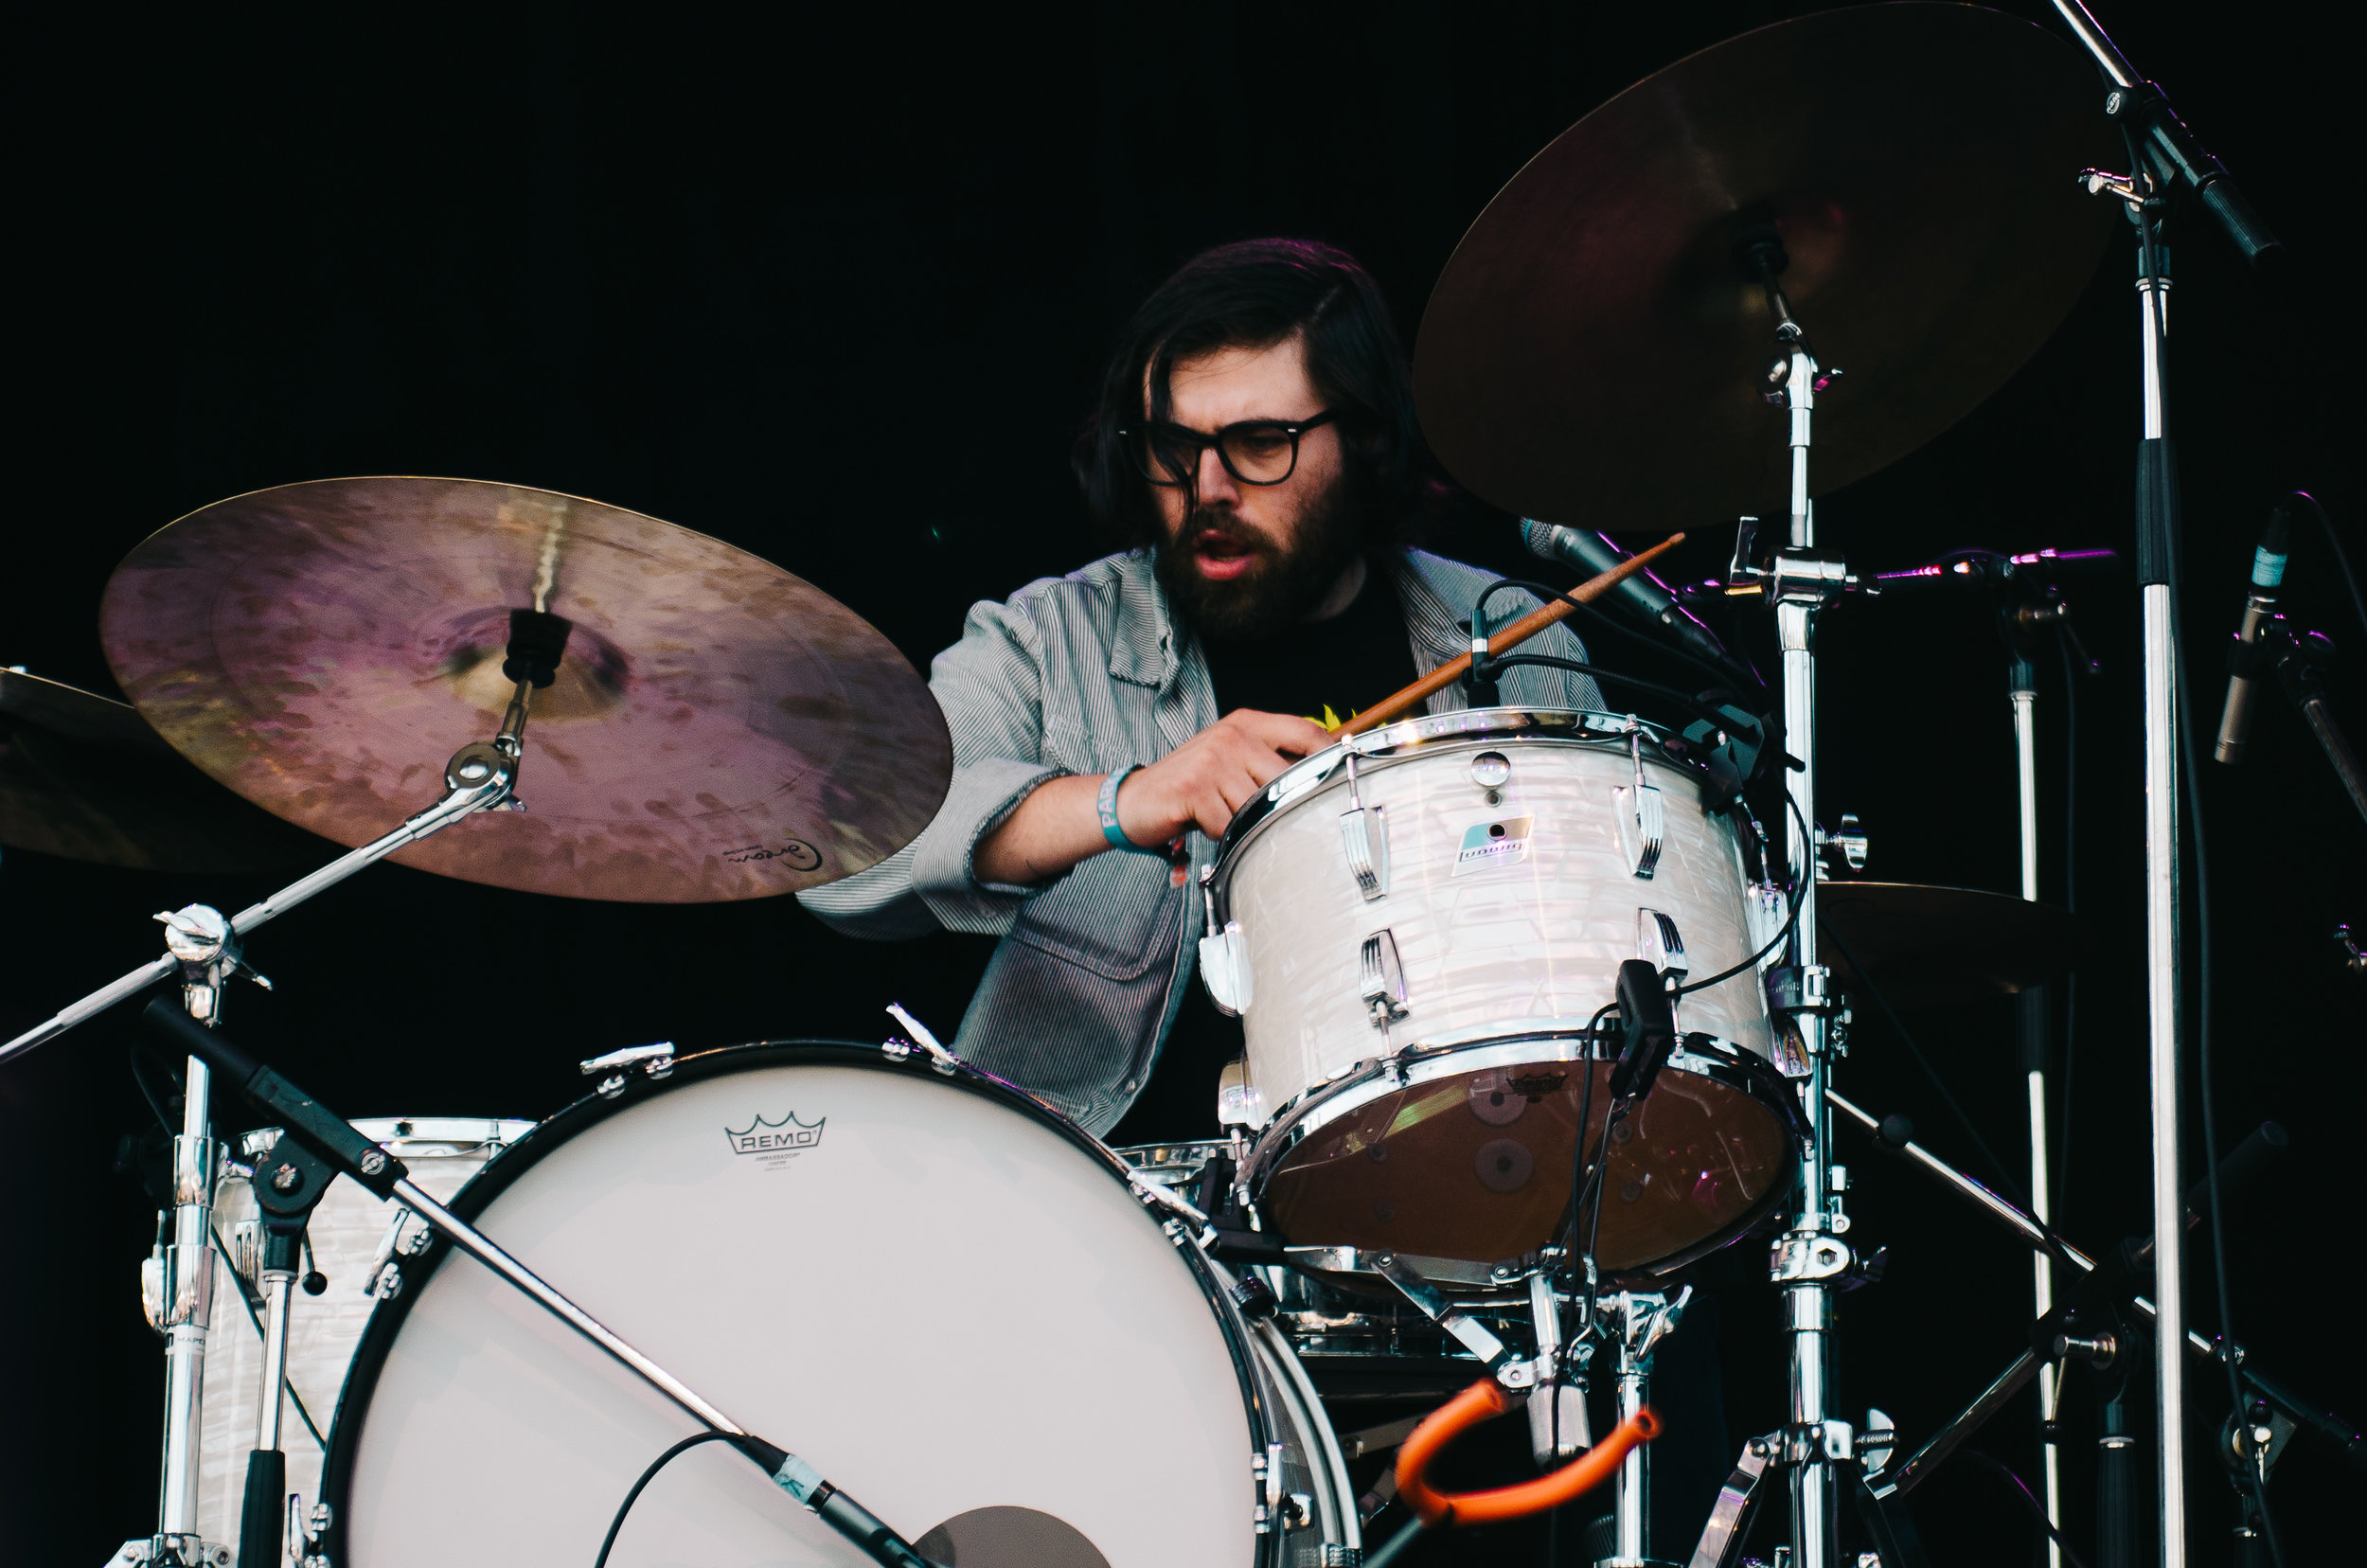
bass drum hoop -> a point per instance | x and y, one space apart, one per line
369 1355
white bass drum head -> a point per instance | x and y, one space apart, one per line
931 1290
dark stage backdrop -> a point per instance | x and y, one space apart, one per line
837 292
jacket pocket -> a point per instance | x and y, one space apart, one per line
1116 915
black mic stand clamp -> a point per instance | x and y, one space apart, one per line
2299 662
290 1179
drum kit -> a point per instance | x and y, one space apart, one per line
1538 1009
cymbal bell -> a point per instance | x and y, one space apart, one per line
718 728
82 776
1594 353
1942 946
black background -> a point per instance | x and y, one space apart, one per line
837 290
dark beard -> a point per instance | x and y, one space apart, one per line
1282 590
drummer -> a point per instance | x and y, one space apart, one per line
1256 447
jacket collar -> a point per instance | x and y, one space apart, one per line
1143 652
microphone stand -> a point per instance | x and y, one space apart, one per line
2299 662
2166 158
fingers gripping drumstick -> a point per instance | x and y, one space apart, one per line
1510 637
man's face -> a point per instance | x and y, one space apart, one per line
1239 559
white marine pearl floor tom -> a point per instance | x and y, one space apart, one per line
1417 927
940 1293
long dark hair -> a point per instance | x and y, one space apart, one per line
1250 295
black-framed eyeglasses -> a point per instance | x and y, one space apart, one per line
1255 452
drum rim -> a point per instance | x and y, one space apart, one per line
1392 745
1719 1061
386 1319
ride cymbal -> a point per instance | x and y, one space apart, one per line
718 728
1594 353
83 776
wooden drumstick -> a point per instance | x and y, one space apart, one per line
1504 641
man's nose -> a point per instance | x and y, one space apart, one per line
1214 481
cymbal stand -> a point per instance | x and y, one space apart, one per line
1810 1261
201 946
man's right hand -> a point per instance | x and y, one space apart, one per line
1202 782
1199 784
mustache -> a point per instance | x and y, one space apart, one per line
1224 524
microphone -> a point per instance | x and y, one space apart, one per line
2243 660
1642 594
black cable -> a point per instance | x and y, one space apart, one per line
1799 896
1874 994
1723 671
1692 704
2174 570
1397 1543
649 1475
2335 541
2030 1500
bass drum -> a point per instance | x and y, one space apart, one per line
940 1292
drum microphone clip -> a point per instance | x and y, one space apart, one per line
1648 1020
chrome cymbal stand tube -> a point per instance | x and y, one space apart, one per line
1810 1259
1635 1325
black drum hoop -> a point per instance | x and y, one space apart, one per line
386 1319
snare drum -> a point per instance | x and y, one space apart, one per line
1416 929
347 1236
940 1292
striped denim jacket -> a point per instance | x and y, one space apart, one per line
1082 674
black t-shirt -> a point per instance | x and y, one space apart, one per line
1327 671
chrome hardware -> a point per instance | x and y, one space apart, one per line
1224 970
1433 1306
1841 853
1881 1436
1240 1103
1658 944
656 1060
939 1057
1643 815
1801 1256
1364 837
1384 989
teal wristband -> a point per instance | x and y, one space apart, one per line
1108 805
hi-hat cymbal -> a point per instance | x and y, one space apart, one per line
1592 352
83 776
718 728
1936 947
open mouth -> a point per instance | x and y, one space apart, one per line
1221 556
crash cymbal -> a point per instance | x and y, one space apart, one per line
83 776
718 728
1934 946
1592 352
